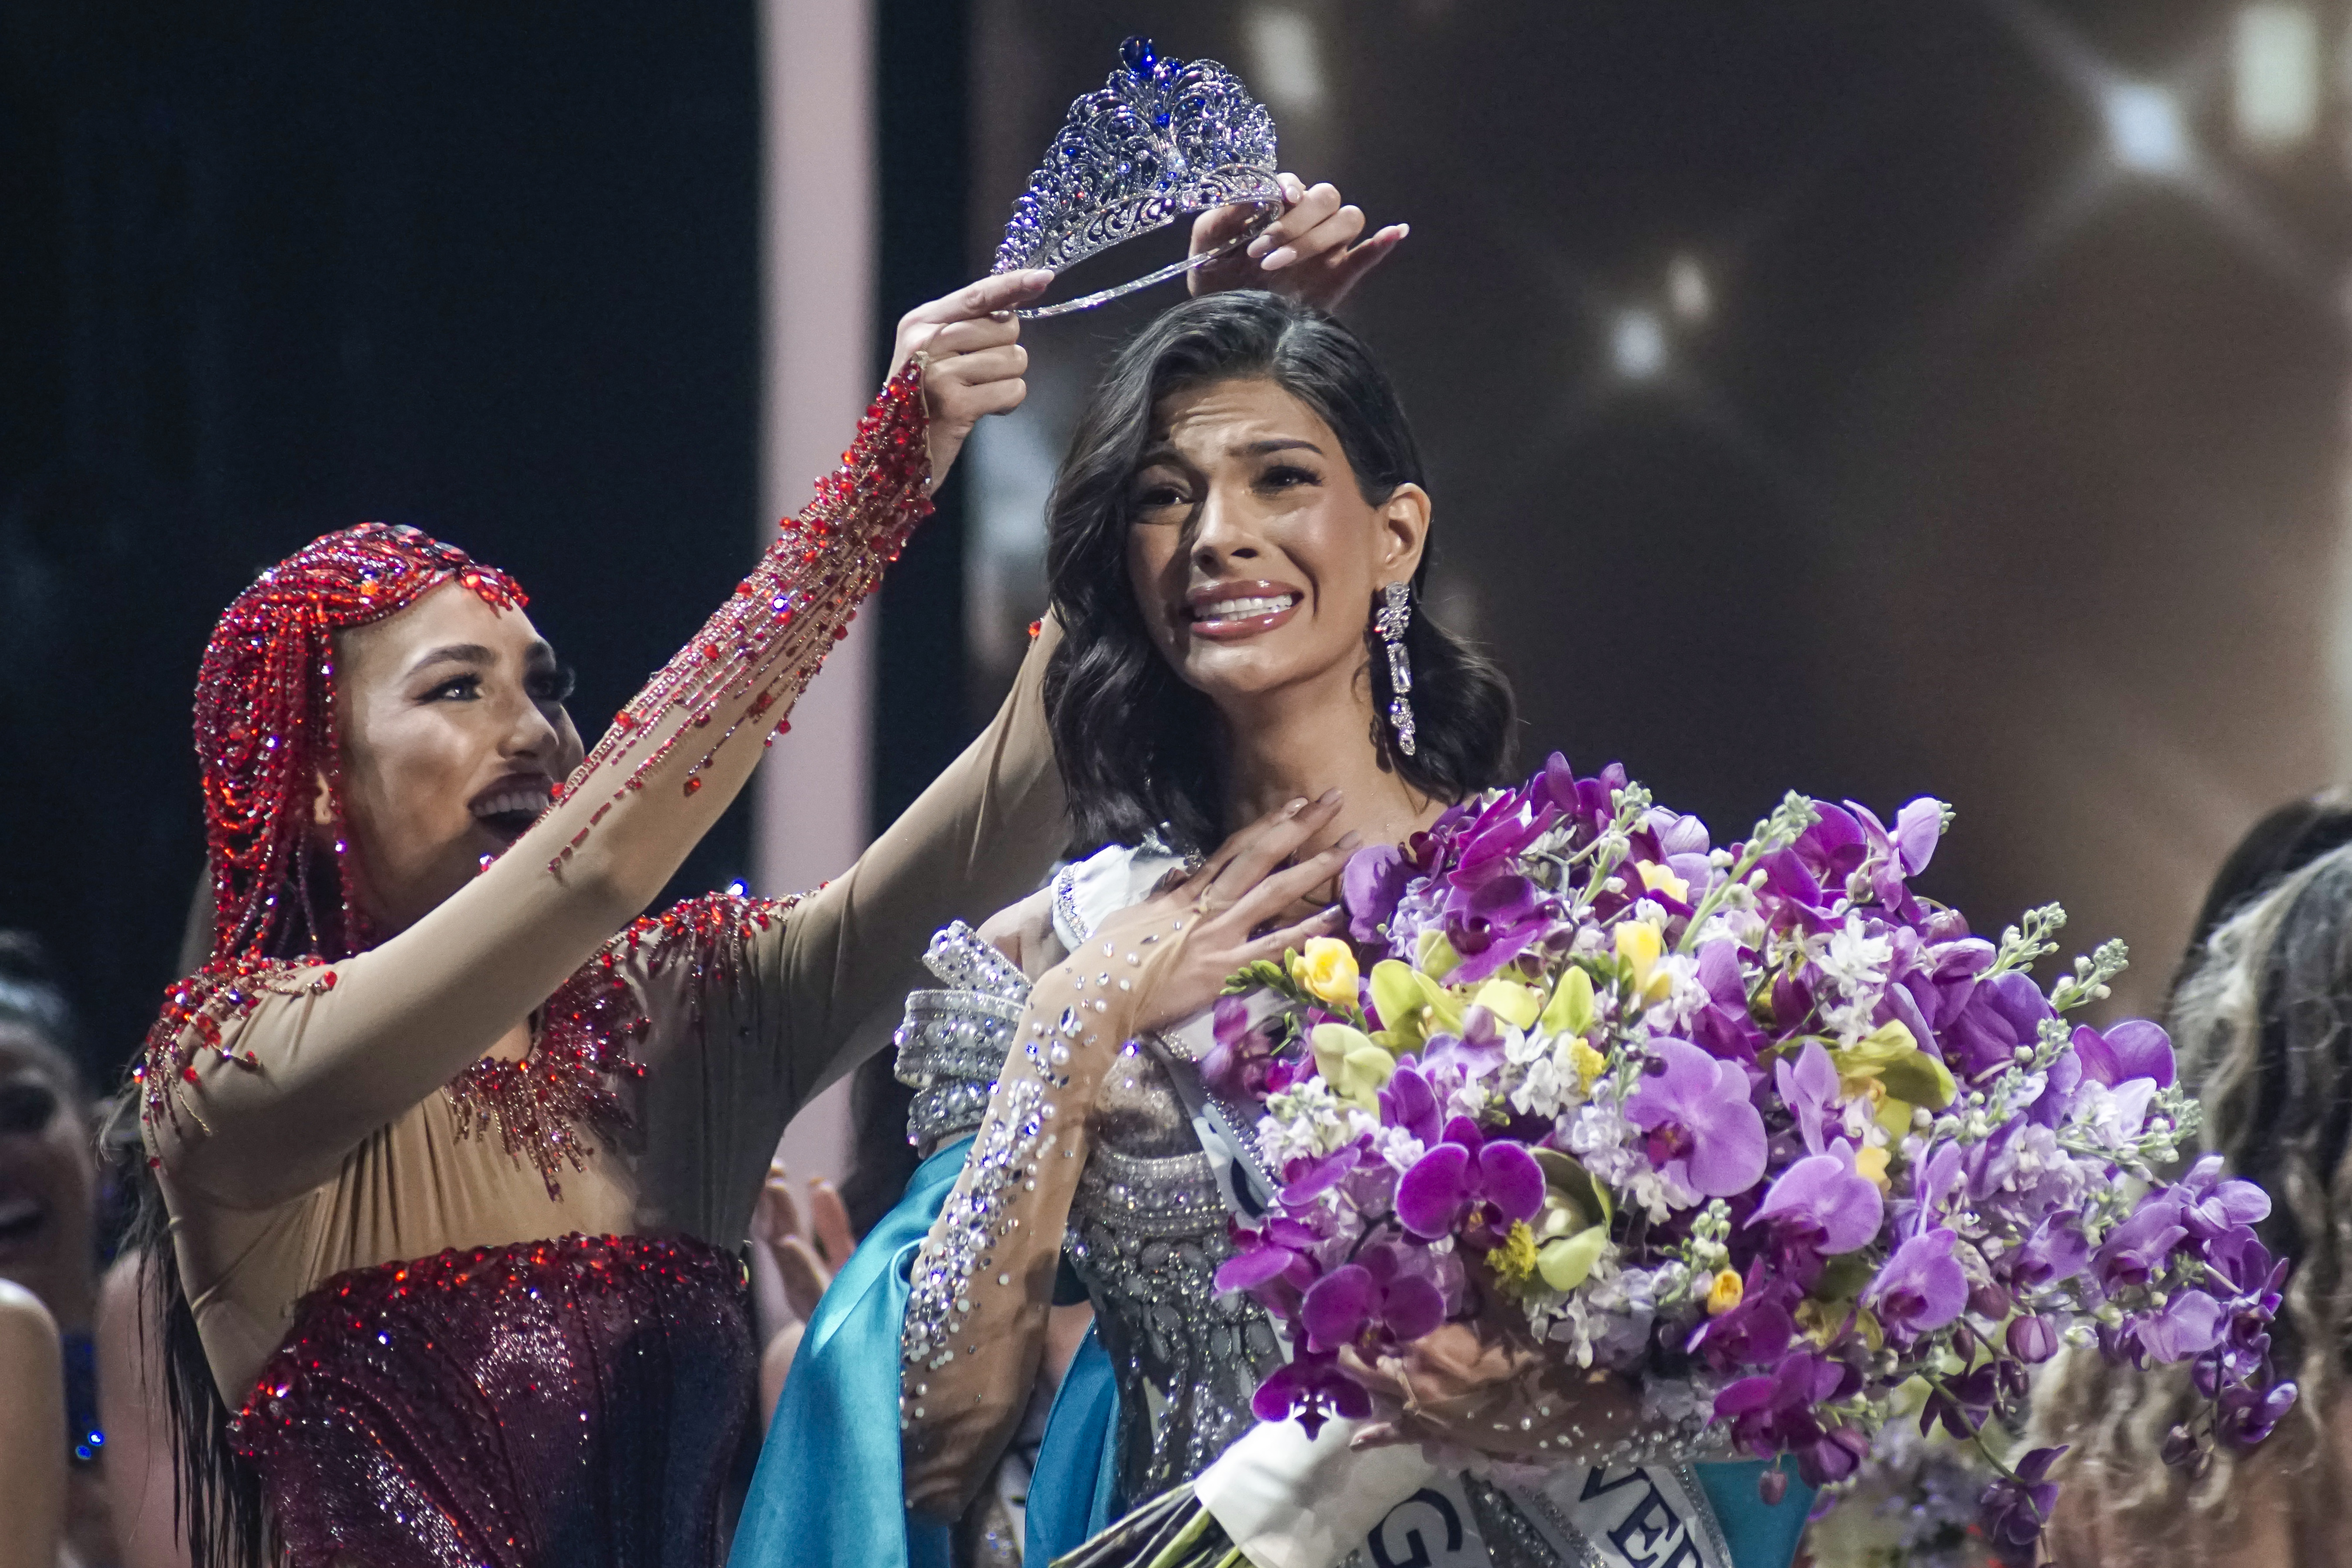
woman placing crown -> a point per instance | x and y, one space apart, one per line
454 1153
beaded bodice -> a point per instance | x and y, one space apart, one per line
1147 1224
570 1402
1147 1232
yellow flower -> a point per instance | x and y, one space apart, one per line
1657 879
1570 1011
1514 1262
1725 1292
1639 947
1355 1068
1589 1064
1871 1165
1890 1056
1511 1002
1565 1264
1327 969
1412 1005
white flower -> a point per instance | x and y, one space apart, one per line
1853 959
1307 1121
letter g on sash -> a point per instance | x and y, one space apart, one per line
1415 1545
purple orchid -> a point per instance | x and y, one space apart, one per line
2015 1507
1705 1135
1469 1183
1237 1065
2244 1417
1408 1102
1776 1412
1274 1264
2053 1253
1821 1202
1920 1288
1374 881
2032 1338
2134 1049
1755 1333
2135 1249
1809 1088
1311 1387
2191 1323
1308 1178
2211 1206
1371 1303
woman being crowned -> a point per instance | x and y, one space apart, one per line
1237 543
455 1150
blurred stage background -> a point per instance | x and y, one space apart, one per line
1865 398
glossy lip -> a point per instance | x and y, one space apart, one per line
1201 597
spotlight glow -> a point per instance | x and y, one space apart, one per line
1687 290
1286 59
1637 345
2145 134
2274 73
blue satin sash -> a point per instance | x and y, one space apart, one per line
1760 1535
829 1479
1074 1491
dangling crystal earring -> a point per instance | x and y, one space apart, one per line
1394 615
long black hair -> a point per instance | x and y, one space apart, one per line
1134 742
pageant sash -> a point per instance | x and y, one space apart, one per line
829 1481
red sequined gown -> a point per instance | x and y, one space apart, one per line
442 1353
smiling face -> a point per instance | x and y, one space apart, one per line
47 1176
1254 555
454 737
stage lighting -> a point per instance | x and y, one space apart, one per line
1687 290
1286 63
2146 134
2274 73
1637 345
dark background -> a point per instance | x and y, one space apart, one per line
1989 473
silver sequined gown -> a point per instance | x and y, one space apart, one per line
1147 1224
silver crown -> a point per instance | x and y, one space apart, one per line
1162 138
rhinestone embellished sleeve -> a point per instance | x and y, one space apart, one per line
755 656
985 1273
347 1047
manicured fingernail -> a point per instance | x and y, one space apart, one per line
1281 259
1259 246
1329 797
1336 911
1351 841
1295 807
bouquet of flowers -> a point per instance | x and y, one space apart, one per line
1755 1123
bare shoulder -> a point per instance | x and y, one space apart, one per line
28 1335
1024 932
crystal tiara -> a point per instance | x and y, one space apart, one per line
1160 139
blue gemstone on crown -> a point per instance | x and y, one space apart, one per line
1162 138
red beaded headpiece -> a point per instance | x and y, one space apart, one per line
265 729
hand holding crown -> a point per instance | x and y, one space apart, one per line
975 363
1310 252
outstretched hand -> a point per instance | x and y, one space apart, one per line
975 364
1310 253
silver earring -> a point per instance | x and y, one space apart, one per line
1394 615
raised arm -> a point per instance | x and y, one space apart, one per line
975 1323
262 1083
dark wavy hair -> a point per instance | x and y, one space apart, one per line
1134 742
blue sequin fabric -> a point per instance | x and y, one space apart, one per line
572 1401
